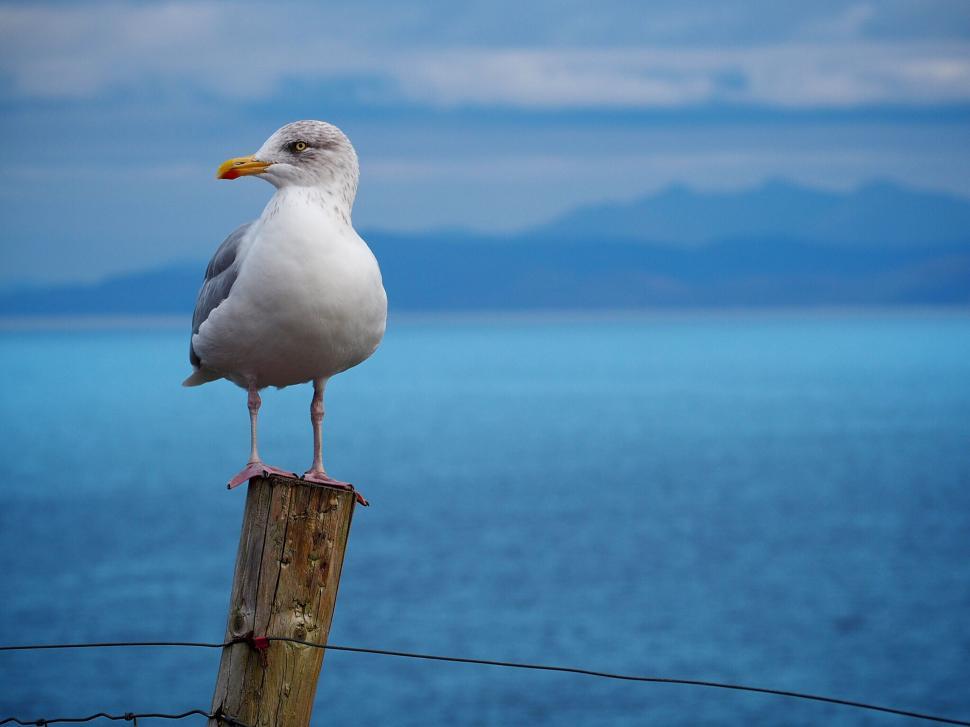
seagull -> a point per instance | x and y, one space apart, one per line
296 295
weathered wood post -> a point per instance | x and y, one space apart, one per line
288 565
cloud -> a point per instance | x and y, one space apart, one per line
850 22
239 52
791 76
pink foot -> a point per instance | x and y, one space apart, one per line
257 469
323 478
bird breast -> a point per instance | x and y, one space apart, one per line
308 302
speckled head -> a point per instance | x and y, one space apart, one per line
302 154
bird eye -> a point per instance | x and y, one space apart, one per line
299 146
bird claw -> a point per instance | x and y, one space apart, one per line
322 478
257 469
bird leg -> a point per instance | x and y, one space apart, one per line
254 402
317 473
255 466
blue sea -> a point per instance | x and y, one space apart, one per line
774 499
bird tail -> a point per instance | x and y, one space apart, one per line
201 376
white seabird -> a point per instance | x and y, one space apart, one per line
296 295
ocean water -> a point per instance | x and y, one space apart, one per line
777 500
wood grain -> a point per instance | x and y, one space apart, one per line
288 565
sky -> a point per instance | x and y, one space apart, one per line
488 116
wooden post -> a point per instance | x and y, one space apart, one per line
288 565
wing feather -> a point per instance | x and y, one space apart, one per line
220 275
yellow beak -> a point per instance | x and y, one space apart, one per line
240 167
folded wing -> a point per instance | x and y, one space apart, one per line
220 275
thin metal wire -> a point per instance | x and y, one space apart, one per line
113 644
127 717
506 664
633 678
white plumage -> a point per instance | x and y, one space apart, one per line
307 303
295 296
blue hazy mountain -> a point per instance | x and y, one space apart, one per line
777 244
878 214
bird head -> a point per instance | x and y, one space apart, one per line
302 154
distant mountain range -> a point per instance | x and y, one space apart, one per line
777 244
879 214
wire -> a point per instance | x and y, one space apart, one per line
127 717
113 644
632 678
506 664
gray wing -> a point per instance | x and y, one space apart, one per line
219 277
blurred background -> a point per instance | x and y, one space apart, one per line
677 373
